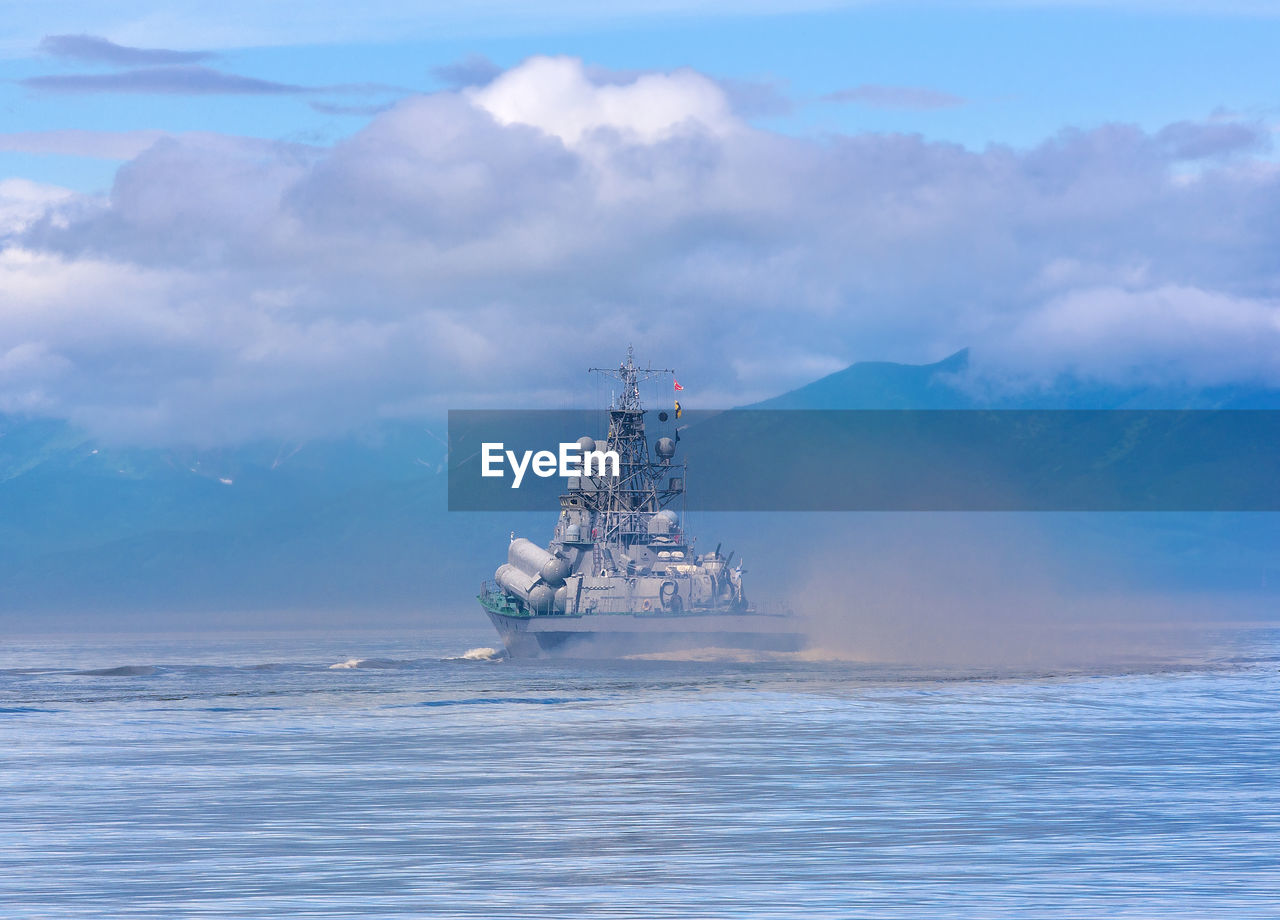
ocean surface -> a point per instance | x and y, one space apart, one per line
389 775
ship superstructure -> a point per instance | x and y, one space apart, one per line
620 575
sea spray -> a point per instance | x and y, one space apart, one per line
479 654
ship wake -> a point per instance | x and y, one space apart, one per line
479 654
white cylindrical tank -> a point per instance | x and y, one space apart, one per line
527 556
541 598
554 571
515 580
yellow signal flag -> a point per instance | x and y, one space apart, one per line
677 408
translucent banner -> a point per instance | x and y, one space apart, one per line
900 460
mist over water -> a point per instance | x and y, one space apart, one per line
974 590
247 776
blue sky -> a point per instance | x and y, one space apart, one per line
1018 72
224 220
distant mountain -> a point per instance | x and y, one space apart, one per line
359 523
348 521
882 385
1218 552
948 384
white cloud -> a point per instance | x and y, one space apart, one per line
483 247
22 202
555 96
1166 334
107 145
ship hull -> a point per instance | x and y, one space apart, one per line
620 635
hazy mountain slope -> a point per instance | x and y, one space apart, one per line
947 384
882 385
359 523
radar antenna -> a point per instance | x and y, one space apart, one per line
623 505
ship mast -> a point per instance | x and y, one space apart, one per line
623 504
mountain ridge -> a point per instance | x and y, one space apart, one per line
361 520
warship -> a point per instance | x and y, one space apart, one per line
620 576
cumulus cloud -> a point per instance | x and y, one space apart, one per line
755 98
554 95
23 202
1167 333
481 246
1195 141
109 145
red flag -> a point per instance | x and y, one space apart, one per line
677 383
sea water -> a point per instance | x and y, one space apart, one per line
399 776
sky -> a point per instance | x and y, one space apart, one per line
220 221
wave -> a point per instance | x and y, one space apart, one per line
518 700
124 670
367 663
479 654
